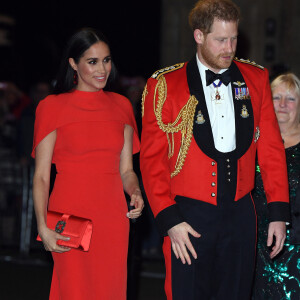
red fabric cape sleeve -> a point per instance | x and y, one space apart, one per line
128 116
131 121
45 120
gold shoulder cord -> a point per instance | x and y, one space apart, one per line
145 93
185 119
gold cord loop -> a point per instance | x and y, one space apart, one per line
183 123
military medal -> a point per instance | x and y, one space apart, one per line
244 112
200 118
241 93
217 97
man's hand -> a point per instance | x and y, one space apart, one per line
277 230
179 235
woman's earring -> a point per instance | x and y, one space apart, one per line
75 78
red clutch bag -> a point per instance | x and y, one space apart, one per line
78 229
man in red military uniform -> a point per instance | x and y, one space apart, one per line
203 124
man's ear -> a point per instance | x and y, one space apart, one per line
199 36
72 64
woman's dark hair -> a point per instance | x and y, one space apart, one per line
79 42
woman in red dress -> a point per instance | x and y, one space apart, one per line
90 135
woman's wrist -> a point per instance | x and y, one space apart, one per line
42 226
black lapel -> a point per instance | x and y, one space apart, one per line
244 121
202 132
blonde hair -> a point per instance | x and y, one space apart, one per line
291 81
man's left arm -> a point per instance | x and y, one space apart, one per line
272 162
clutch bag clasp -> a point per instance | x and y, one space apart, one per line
60 226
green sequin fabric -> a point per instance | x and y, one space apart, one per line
277 279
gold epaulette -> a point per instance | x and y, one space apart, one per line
183 123
247 61
161 72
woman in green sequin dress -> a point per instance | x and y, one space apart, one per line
279 278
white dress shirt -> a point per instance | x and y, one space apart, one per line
221 112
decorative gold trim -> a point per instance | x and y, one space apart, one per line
145 93
247 61
157 74
183 123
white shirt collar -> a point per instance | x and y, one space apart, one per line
202 70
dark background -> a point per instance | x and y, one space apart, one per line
42 28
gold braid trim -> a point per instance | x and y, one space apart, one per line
185 119
247 61
145 93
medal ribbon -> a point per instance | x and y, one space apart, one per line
217 85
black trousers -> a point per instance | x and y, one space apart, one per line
226 251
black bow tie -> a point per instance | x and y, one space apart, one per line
211 77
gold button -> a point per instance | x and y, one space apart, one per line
213 173
228 179
213 184
213 163
228 173
228 160
228 166
213 194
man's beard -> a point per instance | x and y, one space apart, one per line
214 61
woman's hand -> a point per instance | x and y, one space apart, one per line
50 238
138 202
